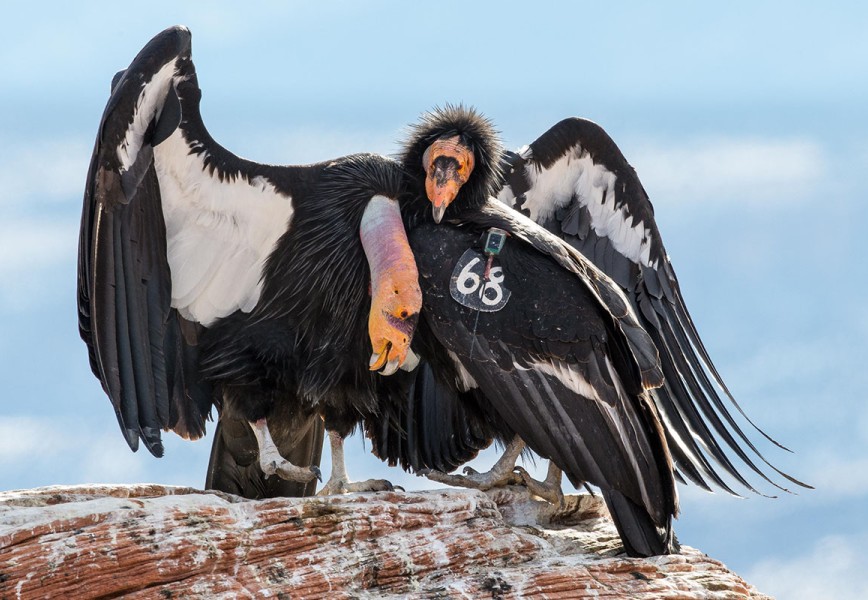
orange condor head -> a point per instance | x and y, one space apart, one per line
448 164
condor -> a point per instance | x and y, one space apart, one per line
280 294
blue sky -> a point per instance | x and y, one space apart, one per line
747 124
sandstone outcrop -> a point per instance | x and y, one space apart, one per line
152 541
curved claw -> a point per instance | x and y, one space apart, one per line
371 485
549 490
315 470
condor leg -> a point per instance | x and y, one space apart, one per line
272 463
501 474
339 482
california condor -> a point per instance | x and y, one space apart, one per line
533 356
206 279
551 343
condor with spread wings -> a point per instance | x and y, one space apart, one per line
206 279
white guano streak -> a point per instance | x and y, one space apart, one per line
218 234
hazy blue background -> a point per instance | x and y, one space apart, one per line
746 122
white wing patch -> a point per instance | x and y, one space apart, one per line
218 234
506 196
148 106
576 175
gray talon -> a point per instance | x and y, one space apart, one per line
315 470
549 490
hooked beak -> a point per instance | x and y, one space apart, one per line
440 195
448 164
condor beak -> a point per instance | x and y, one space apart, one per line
441 195
448 164
396 298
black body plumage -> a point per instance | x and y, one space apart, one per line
308 332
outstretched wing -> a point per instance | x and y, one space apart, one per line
575 182
174 234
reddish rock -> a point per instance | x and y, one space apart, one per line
150 541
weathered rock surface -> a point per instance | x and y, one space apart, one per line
150 541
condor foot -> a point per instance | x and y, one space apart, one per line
474 479
501 474
549 490
272 463
342 486
286 470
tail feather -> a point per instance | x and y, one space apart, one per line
640 535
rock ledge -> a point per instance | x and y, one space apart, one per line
153 541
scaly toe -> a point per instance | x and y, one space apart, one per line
476 481
290 472
547 491
332 487
371 485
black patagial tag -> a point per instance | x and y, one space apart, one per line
469 288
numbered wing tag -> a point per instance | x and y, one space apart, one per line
469 289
